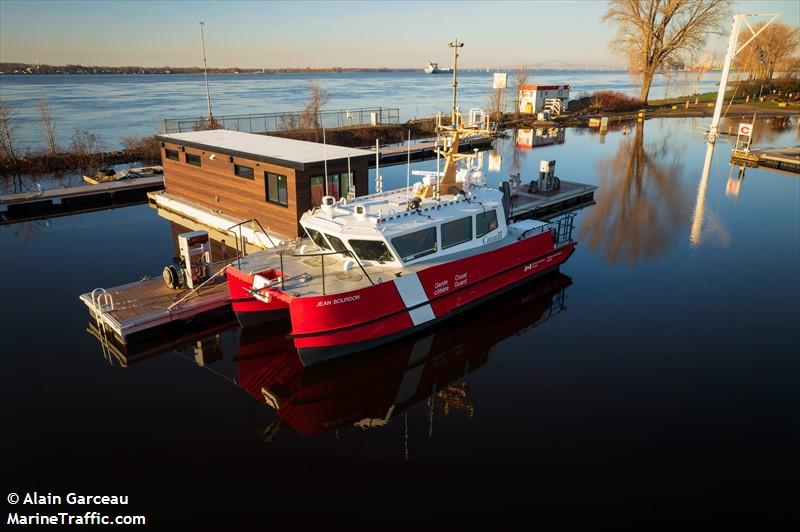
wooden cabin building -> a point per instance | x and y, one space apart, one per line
271 179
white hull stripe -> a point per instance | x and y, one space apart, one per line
413 294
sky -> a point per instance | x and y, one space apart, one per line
256 34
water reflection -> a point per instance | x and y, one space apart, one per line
641 205
368 391
365 391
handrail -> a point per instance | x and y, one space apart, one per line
322 264
196 288
562 228
240 254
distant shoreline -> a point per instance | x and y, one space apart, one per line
28 69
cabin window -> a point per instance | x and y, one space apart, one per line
456 232
415 245
372 250
276 189
192 159
243 171
318 188
171 154
485 222
318 239
337 244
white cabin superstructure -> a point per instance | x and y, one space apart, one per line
388 228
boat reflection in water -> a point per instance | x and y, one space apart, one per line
368 390
364 390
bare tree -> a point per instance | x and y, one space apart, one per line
7 132
47 126
494 103
317 98
653 34
520 79
769 51
87 147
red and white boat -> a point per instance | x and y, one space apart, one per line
382 266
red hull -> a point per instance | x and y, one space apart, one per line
391 379
325 327
249 310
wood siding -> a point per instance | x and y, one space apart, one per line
214 185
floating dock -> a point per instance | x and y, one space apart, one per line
786 159
72 200
543 205
149 304
420 151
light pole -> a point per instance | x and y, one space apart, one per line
455 45
205 73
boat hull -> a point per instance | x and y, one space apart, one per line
333 326
250 311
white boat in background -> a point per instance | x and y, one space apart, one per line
433 68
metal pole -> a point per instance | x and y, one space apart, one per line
408 167
733 49
723 81
325 161
205 73
455 46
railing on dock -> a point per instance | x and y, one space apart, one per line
561 228
288 121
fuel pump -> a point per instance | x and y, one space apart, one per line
192 266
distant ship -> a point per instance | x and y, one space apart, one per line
433 68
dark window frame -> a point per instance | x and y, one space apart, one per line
248 172
360 251
336 243
461 220
167 153
489 229
422 252
322 243
278 177
190 157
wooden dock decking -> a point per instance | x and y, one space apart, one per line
143 305
71 200
391 155
542 205
785 158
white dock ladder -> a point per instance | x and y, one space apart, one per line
102 302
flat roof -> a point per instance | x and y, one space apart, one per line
291 153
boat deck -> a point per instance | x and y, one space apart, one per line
307 277
149 303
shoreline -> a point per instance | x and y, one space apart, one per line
359 137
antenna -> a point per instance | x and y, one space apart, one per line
408 166
378 180
205 72
455 45
351 186
325 161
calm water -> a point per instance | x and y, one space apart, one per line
118 106
653 381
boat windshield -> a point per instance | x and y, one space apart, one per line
337 244
318 239
372 250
